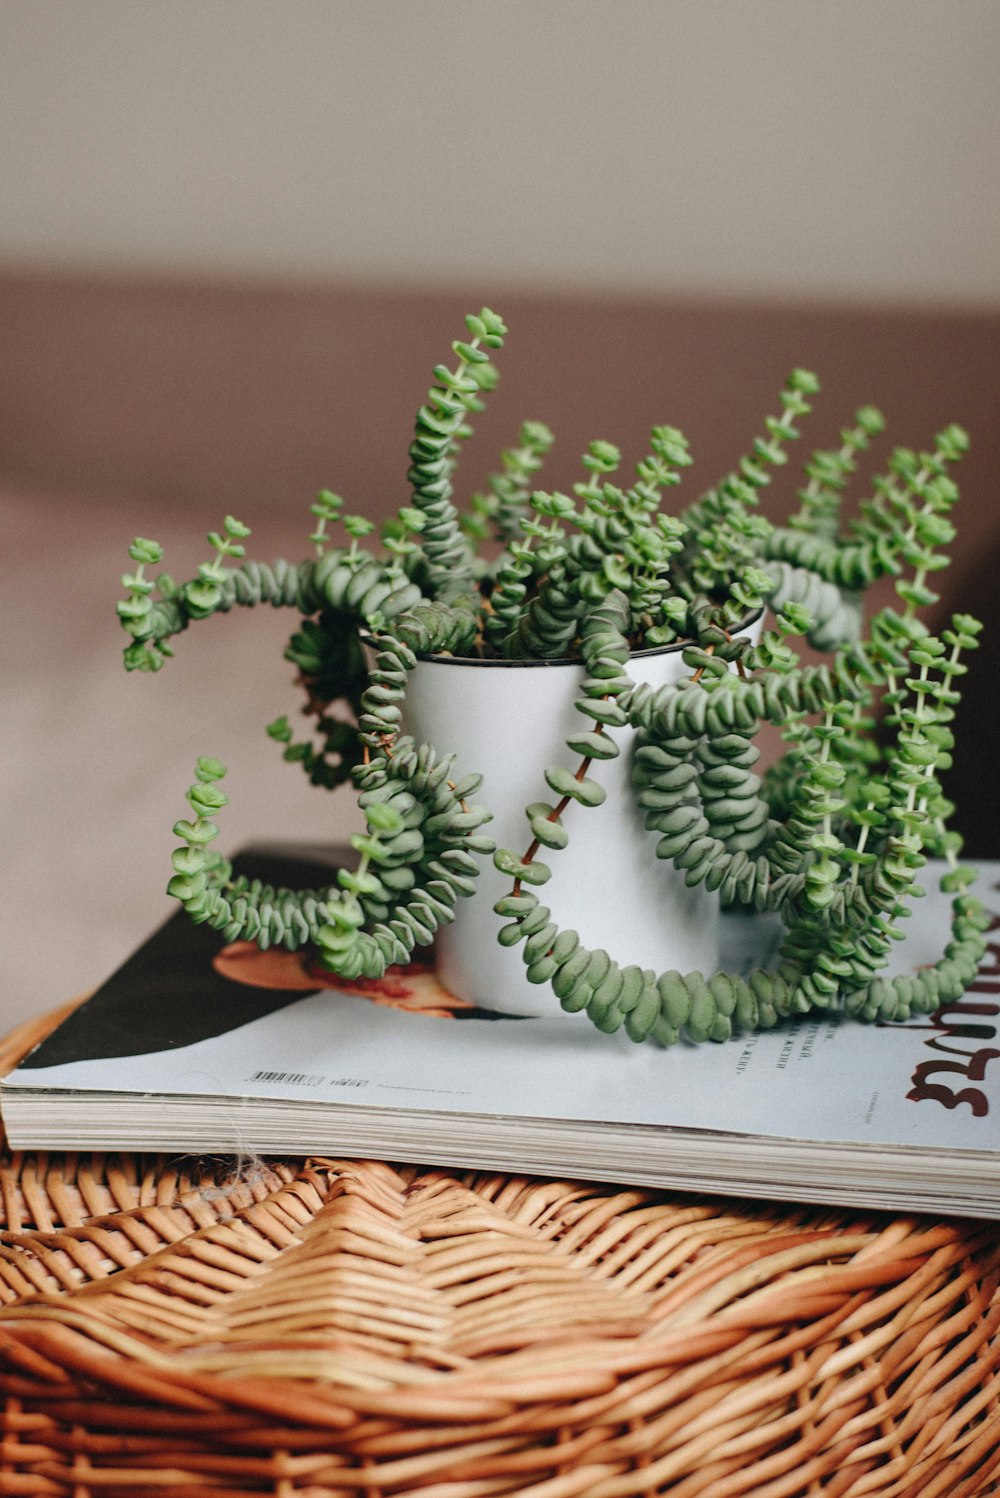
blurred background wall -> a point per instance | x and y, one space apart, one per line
237 234
724 146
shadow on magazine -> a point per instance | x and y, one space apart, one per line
415 988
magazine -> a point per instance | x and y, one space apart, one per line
194 1046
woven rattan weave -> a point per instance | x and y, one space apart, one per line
350 1329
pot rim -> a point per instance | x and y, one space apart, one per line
493 662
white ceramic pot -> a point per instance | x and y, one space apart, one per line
509 721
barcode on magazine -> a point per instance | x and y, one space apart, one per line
307 1079
298 1078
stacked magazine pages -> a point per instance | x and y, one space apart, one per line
197 1047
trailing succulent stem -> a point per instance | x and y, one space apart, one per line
838 890
832 838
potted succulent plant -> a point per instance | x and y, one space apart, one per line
628 639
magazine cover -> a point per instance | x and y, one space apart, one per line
197 1044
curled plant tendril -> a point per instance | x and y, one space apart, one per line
695 784
418 855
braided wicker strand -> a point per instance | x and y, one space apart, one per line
364 1330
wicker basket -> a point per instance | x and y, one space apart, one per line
352 1329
